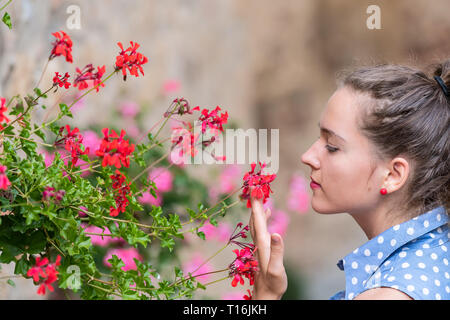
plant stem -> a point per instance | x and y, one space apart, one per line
75 101
212 282
149 167
29 106
95 87
153 178
210 258
5 5
206 210
106 290
114 219
50 240
23 138
42 74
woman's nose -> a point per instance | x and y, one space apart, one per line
309 158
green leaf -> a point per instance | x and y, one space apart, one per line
201 235
39 133
213 221
11 283
191 212
7 20
200 286
65 110
39 93
22 265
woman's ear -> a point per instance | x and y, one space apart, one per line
399 170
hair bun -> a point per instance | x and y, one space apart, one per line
442 70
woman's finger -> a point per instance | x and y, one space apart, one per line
276 267
262 237
252 227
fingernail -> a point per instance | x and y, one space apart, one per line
275 239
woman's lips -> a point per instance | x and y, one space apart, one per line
314 185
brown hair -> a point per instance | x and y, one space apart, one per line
408 114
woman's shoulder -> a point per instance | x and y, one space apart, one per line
420 268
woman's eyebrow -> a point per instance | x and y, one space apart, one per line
330 132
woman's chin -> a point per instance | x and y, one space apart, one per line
319 206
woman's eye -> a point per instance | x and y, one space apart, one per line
331 149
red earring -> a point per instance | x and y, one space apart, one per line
383 191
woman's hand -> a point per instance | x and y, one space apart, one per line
270 280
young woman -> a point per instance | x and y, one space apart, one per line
382 157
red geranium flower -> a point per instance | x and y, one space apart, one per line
249 296
2 110
4 181
114 149
130 59
184 140
87 76
212 119
62 46
258 184
72 142
244 265
48 275
121 191
61 80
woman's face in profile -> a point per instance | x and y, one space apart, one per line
342 161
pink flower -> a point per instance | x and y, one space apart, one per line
221 232
229 178
233 296
298 198
81 213
147 198
91 140
129 109
126 255
79 104
171 86
133 131
278 222
194 263
162 177
48 158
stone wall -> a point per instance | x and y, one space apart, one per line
271 64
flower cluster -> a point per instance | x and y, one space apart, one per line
181 107
88 74
131 60
49 192
249 296
121 191
244 266
4 181
257 183
114 149
48 275
212 119
185 140
72 143
2 110
62 46
61 80
240 232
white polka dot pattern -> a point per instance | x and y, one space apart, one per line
412 257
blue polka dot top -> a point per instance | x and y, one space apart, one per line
411 257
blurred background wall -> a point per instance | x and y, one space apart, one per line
270 64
